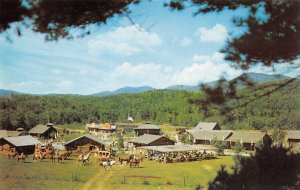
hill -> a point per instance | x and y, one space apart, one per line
6 93
279 109
255 78
124 90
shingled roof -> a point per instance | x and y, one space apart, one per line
293 134
147 126
87 136
146 139
210 135
22 140
5 133
207 126
39 129
246 137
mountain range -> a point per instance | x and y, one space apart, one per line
253 77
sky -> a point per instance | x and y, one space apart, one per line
162 48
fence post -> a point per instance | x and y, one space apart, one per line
183 181
124 179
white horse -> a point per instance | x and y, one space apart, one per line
108 164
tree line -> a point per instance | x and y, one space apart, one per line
278 110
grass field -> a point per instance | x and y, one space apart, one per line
67 175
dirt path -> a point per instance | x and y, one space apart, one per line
98 181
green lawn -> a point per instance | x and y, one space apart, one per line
68 175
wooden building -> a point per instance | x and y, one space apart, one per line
207 126
5 133
293 138
248 139
147 129
206 137
85 143
152 140
104 128
25 144
44 131
127 127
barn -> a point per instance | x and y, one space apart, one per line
207 126
248 139
152 140
293 138
147 129
86 142
5 133
25 144
44 131
205 137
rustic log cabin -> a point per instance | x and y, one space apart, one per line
5 133
293 138
207 126
151 140
147 129
248 139
206 137
25 144
85 143
44 131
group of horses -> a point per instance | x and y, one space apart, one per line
14 154
49 152
180 157
41 153
131 161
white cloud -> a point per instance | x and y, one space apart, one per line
140 74
216 57
27 84
207 69
218 33
185 41
124 41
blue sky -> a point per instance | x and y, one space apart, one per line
162 48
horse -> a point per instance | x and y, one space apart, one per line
22 157
107 164
37 156
56 156
101 159
127 159
83 159
64 155
12 155
134 162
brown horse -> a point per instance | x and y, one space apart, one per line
134 163
125 159
12 155
22 157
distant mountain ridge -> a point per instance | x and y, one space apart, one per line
124 90
253 77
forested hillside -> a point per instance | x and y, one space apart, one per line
280 109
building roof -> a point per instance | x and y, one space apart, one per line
5 133
209 135
87 136
147 126
293 134
146 139
22 140
179 148
39 129
208 126
246 136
